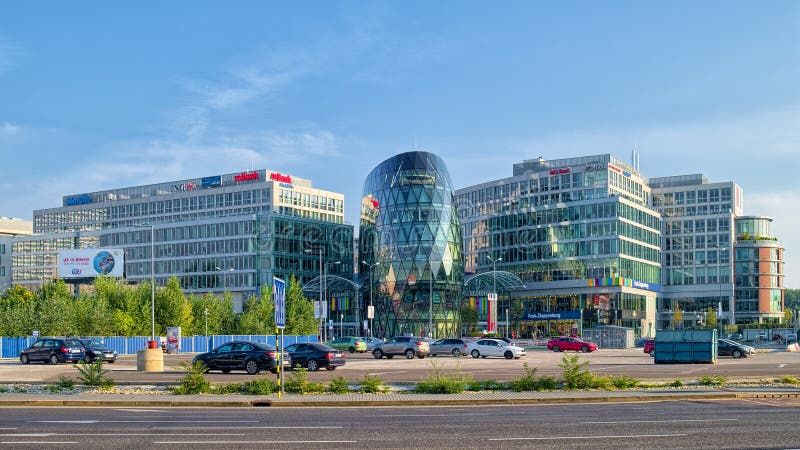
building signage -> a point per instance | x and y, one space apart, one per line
91 262
620 281
626 173
246 176
595 166
211 182
553 315
375 203
559 171
183 187
279 290
78 200
274 176
615 168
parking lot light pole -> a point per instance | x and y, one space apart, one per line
205 313
494 283
322 314
152 279
370 293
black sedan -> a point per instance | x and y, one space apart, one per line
96 350
252 357
727 347
315 356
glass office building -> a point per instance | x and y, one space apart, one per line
231 232
579 234
411 238
9 228
758 271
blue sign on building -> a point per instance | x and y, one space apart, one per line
211 182
553 315
279 288
78 200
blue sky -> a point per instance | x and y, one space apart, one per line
99 95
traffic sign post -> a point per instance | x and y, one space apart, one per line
279 291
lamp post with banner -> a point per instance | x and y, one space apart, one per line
371 309
322 310
491 318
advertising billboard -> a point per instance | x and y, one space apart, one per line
91 262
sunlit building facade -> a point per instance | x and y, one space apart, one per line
231 232
411 238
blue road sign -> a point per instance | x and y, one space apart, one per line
279 288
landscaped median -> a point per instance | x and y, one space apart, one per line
576 384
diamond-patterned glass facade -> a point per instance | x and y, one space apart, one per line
410 229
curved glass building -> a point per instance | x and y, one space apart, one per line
410 247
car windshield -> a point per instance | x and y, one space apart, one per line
91 342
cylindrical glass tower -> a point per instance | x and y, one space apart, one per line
411 236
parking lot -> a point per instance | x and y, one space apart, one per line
632 362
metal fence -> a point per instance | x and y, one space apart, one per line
11 346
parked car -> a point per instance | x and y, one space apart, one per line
53 350
650 347
314 356
95 350
252 357
727 347
493 347
350 343
409 346
372 342
563 343
448 346
791 338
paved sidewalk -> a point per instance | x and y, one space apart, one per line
390 399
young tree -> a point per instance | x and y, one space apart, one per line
711 317
54 309
221 318
258 315
299 311
172 308
677 318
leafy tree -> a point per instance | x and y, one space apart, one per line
172 308
711 317
53 309
258 315
469 317
221 318
677 318
791 299
299 311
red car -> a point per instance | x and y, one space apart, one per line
650 347
560 344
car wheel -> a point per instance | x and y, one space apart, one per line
456 352
53 359
377 353
475 353
737 354
508 354
556 348
421 356
389 356
409 354
331 367
226 370
351 349
251 366
653 353
312 365
112 361
24 359
585 348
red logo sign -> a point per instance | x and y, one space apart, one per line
280 178
559 171
615 168
245 176
375 203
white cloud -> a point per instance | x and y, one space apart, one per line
8 55
8 129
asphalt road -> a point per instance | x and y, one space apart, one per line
692 424
631 362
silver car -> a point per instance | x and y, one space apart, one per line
409 346
453 347
372 342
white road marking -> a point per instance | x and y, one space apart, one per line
386 373
141 410
670 421
102 434
255 428
38 442
144 421
427 415
586 437
782 366
253 442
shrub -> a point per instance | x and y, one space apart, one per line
64 383
338 385
546 384
372 384
712 381
194 379
790 380
93 374
624 382
527 382
439 382
676 383
574 373
262 386
230 388
298 383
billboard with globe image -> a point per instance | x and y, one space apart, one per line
91 262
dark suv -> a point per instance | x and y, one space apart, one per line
53 350
409 346
241 355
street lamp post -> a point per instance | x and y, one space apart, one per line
205 313
494 281
370 294
322 312
430 305
341 319
152 280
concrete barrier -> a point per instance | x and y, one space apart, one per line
793 347
150 360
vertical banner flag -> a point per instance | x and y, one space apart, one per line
279 288
491 314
